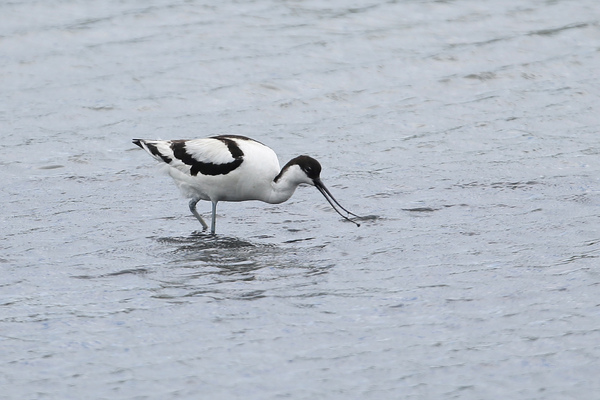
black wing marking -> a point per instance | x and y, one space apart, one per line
208 168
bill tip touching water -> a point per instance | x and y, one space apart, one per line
235 168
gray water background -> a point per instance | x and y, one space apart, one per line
469 128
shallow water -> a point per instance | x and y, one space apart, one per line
467 131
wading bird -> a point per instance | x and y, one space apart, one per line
234 168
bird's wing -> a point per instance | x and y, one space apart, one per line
210 150
209 156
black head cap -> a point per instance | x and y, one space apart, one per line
309 165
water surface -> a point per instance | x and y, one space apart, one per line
470 129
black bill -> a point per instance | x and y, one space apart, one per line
329 197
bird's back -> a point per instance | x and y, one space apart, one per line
220 168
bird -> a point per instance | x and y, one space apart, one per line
235 168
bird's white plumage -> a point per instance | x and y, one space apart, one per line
252 180
209 150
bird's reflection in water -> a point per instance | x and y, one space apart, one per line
221 267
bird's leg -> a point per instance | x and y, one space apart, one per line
213 221
193 210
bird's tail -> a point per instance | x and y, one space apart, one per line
138 142
159 149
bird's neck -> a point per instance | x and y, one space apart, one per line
281 190
284 184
